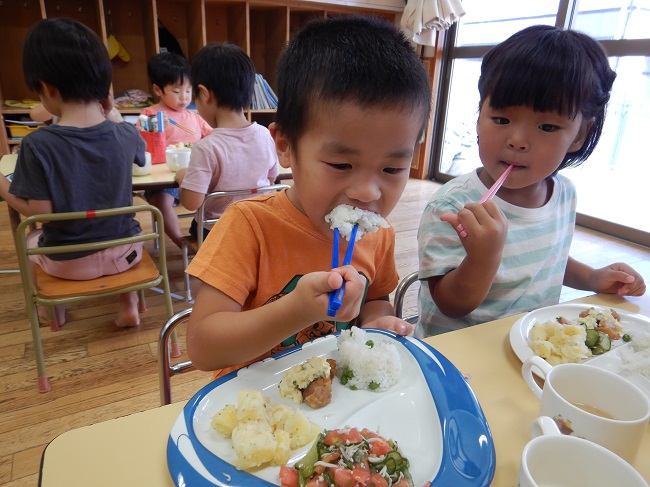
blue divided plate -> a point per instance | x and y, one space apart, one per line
431 413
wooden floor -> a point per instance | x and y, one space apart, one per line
99 372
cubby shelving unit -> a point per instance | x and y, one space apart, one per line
262 28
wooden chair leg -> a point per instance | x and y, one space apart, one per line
32 316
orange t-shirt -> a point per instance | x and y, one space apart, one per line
260 247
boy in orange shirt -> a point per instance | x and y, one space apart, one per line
354 99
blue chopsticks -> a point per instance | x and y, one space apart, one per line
336 297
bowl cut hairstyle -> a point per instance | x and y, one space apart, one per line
551 70
168 68
227 72
358 59
69 56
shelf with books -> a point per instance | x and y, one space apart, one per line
261 27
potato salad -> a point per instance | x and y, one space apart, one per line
572 340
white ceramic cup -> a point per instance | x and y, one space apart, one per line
569 384
177 158
552 459
146 169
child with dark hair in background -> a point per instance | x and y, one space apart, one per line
543 94
354 100
81 163
39 114
237 154
169 74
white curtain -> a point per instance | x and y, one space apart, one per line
424 17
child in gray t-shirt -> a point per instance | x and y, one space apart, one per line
83 162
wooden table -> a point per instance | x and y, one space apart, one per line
8 163
160 177
132 450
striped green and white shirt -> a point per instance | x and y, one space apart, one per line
534 257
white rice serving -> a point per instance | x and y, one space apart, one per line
636 358
344 217
366 361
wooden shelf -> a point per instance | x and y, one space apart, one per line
261 27
15 111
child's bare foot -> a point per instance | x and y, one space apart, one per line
128 316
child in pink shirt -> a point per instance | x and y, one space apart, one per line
170 76
237 154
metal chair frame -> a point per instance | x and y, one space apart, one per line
30 286
166 370
200 218
400 293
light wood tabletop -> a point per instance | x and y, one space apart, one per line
8 163
160 177
132 450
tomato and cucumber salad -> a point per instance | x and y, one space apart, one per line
349 458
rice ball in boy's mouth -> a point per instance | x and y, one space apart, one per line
366 361
344 217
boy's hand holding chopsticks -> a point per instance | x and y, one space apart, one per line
336 297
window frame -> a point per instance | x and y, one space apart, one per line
449 52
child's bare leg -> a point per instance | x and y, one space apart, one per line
165 203
127 314
59 314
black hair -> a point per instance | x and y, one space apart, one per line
549 69
69 56
360 59
227 72
168 68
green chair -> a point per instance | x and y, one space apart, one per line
45 290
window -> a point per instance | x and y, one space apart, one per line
612 183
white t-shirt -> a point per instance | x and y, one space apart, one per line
231 159
534 257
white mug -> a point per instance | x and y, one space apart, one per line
592 403
554 459
177 158
146 169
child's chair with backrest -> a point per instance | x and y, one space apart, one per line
190 243
45 290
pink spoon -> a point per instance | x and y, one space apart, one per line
488 196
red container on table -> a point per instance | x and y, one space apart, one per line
156 145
